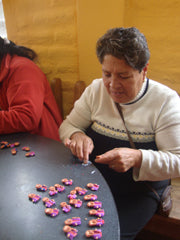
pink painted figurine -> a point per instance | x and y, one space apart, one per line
48 202
59 187
93 186
98 212
70 232
90 197
72 194
4 145
27 149
95 204
41 188
53 212
34 197
65 207
77 203
30 154
81 191
16 144
14 151
74 221
52 191
67 181
95 234
96 222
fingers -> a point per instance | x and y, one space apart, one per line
67 142
80 146
71 144
111 162
84 149
73 148
87 149
107 157
121 159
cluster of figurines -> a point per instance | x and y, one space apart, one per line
70 223
14 149
75 221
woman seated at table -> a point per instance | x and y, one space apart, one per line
94 129
27 103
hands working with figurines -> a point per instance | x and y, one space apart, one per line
119 159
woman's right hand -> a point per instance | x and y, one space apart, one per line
80 145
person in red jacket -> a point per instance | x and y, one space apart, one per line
27 103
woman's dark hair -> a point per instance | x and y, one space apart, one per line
124 43
9 47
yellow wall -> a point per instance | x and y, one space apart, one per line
94 17
50 28
160 22
64 34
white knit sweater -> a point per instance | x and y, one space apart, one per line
154 117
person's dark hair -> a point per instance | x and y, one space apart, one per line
124 43
9 47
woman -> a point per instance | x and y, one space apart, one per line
26 100
94 129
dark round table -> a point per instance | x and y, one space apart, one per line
21 219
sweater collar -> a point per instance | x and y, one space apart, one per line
141 93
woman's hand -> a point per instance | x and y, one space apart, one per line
121 159
81 145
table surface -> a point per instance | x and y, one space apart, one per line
21 219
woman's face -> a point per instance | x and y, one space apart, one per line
121 81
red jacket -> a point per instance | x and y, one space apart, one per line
27 103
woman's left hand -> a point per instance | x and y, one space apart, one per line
121 159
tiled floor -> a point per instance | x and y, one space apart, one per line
175 213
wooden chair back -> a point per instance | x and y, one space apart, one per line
79 88
56 86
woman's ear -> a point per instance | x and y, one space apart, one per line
146 68
144 71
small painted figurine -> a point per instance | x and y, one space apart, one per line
16 144
59 187
72 194
41 188
14 151
71 232
34 197
65 207
67 181
4 145
30 154
53 212
96 222
95 204
98 212
75 202
48 202
27 149
90 197
74 221
81 191
52 191
93 186
95 234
